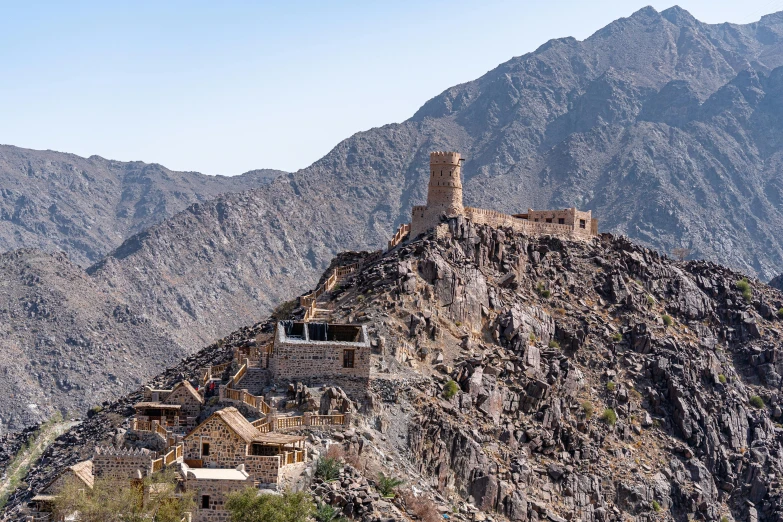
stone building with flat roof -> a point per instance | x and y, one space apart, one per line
317 353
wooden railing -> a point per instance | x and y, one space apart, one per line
308 301
238 376
292 457
157 465
402 231
326 420
288 422
213 371
141 425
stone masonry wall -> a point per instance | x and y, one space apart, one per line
111 463
218 492
263 469
191 407
226 449
309 361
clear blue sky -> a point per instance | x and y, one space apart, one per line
226 87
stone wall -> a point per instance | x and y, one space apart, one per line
525 226
218 492
226 448
121 464
265 470
191 407
308 361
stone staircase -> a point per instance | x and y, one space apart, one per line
254 380
323 313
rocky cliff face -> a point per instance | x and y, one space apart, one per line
777 282
67 344
88 206
595 381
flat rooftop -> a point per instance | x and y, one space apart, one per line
217 474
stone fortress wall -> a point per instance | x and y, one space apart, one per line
444 199
121 464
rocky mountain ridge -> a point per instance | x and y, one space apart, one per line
596 381
86 207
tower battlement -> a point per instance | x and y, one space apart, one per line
445 158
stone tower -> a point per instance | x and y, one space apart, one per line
445 190
444 195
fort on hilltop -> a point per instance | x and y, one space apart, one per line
444 200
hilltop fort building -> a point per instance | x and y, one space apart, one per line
444 200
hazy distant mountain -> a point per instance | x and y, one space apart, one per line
669 129
88 206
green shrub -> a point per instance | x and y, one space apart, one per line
780 313
587 407
327 513
327 469
744 286
95 410
450 390
542 291
610 386
722 378
249 506
457 323
757 402
667 319
554 344
283 310
724 518
387 484
617 337
650 300
609 417
656 506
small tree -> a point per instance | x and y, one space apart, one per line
667 319
327 469
757 402
450 390
387 484
115 501
250 506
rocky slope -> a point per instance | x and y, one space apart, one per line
595 381
88 206
664 126
67 344
777 282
